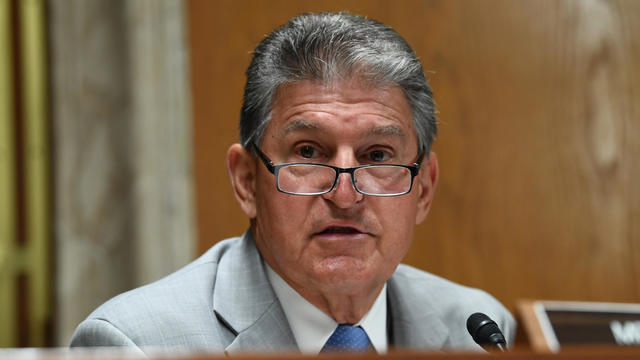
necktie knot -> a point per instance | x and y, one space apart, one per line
347 338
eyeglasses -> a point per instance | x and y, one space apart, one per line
318 179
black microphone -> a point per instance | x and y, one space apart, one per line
485 332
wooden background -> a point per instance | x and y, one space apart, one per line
539 142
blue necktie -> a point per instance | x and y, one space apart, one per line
347 338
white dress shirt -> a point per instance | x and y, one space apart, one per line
312 328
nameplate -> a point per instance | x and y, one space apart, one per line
588 323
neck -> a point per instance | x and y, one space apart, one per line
344 307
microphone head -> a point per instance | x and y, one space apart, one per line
485 332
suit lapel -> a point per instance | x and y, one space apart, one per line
244 300
271 332
413 324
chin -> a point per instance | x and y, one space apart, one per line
344 274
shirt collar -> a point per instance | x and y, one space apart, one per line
312 328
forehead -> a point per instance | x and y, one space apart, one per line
348 105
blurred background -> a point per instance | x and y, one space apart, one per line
115 118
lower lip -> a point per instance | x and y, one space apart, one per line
341 236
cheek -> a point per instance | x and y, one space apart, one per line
398 220
400 214
281 217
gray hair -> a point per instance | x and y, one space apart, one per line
328 47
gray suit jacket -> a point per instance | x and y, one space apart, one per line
223 302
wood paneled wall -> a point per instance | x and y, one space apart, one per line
539 146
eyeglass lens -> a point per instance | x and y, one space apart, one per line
313 179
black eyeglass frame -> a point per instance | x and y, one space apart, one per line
274 169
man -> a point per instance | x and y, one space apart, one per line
334 170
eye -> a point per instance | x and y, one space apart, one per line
307 152
378 156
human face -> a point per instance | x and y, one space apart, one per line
341 242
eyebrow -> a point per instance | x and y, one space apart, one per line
300 125
296 125
388 130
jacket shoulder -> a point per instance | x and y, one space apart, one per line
453 303
175 311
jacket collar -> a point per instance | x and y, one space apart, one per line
244 300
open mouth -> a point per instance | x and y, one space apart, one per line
340 230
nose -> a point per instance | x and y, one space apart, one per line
344 194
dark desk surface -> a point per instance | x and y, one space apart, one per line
589 353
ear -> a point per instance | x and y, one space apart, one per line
241 168
427 181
